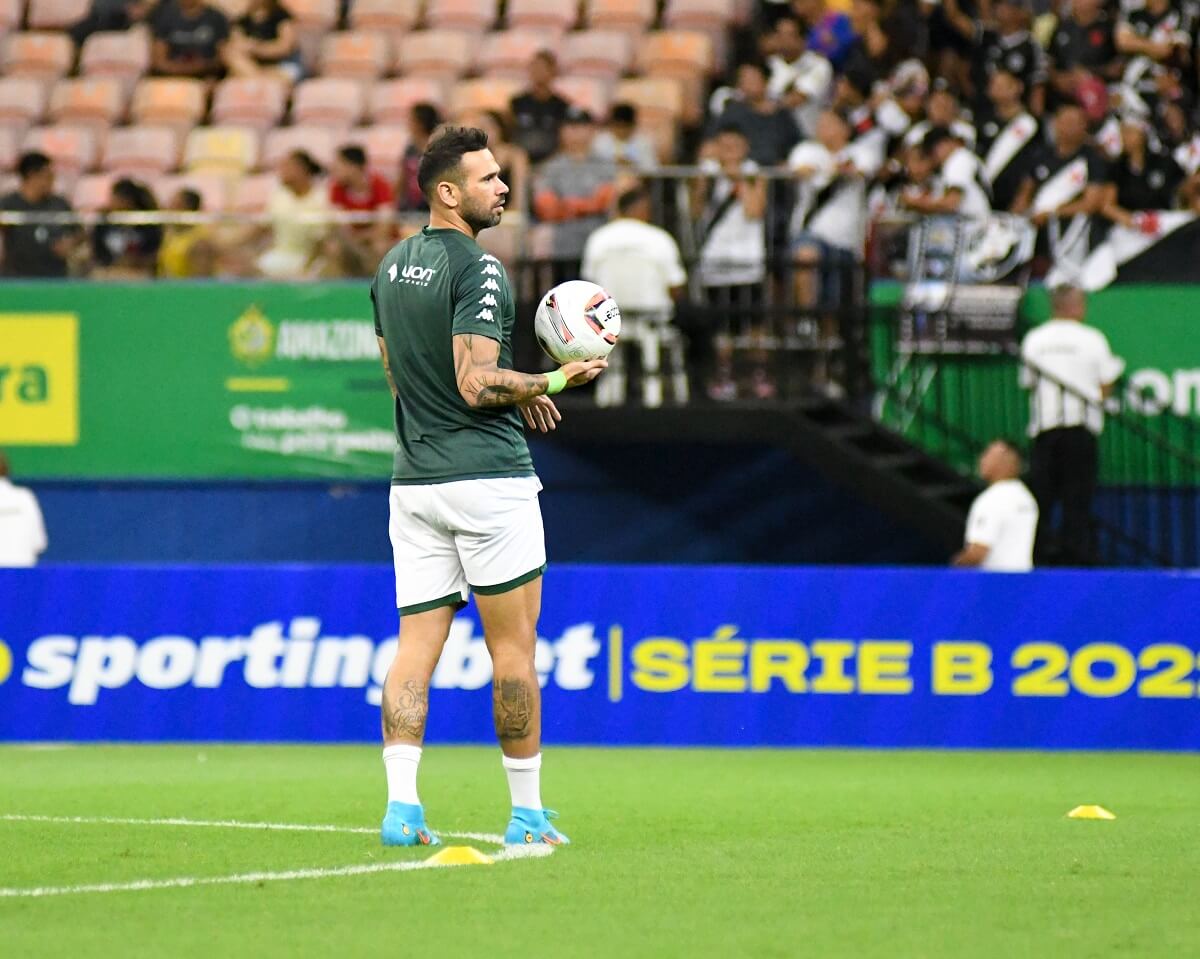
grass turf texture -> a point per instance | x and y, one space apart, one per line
676 853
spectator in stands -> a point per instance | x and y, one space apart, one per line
1157 38
799 79
126 250
296 208
513 161
830 32
22 531
731 199
423 119
189 39
1083 57
620 143
1007 138
539 112
353 188
188 249
263 42
111 15
883 39
1070 370
1002 522
1144 179
37 249
574 191
767 127
942 109
1007 43
963 191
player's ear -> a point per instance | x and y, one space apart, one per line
448 193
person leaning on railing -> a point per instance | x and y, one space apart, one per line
37 249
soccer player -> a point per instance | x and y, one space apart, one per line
464 508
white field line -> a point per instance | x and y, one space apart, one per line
506 854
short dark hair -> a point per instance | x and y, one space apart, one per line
1009 444
353 154
35 161
547 56
305 159
623 113
757 65
427 115
631 198
191 199
443 157
935 137
728 126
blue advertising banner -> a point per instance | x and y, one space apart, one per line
628 655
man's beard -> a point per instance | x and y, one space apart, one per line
479 217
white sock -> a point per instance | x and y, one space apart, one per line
400 763
524 780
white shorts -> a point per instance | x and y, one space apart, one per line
450 538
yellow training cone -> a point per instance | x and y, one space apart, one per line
460 856
1090 812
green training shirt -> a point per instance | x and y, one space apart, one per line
427 289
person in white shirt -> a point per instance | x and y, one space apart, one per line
296 207
800 79
22 532
1002 523
964 189
1070 371
622 144
640 266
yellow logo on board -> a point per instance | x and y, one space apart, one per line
252 337
39 379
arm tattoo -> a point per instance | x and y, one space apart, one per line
387 369
404 716
512 709
482 383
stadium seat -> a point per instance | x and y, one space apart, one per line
225 150
444 54
385 145
660 105
387 15
360 54
214 189
92 192
72 148
391 100
597 53
631 16
175 101
700 14
591 93
10 15
474 16
250 194
507 53
686 55
8 147
258 102
314 19
55 14
560 15
318 142
142 150
487 93
88 100
328 101
22 101
46 55
124 54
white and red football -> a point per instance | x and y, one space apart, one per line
577 320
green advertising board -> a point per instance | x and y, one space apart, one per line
192 380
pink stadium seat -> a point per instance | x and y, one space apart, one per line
391 100
657 99
226 150
72 148
386 15
328 101
557 15
212 187
487 93
597 53
360 54
124 54
8 147
89 100
141 151
250 194
507 53
700 14
92 192
319 142
445 54
681 53
591 93
258 102
322 14
55 14
22 101
629 15
384 144
10 15
163 100
475 16
46 55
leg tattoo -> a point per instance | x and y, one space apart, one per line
404 717
512 708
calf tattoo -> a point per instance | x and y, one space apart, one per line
513 708
404 714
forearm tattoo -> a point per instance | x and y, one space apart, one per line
404 715
483 384
512 706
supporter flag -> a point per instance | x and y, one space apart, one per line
1162 246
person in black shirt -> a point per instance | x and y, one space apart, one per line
110 15
538 113
36 249
264 42
1007 45
1006 138
189 39
769 128
122 250
1083 57
1142 179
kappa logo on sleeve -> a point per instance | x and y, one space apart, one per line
490 284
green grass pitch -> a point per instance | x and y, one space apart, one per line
755 853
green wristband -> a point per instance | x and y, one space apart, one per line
556 382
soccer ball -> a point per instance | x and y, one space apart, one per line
577 320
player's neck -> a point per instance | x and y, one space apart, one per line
449 221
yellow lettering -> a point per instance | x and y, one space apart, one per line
1117 658
719 664
782 659
1046 663
883 667
961 669
833 655
660 665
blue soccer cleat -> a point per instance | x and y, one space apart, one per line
529 826
404 825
